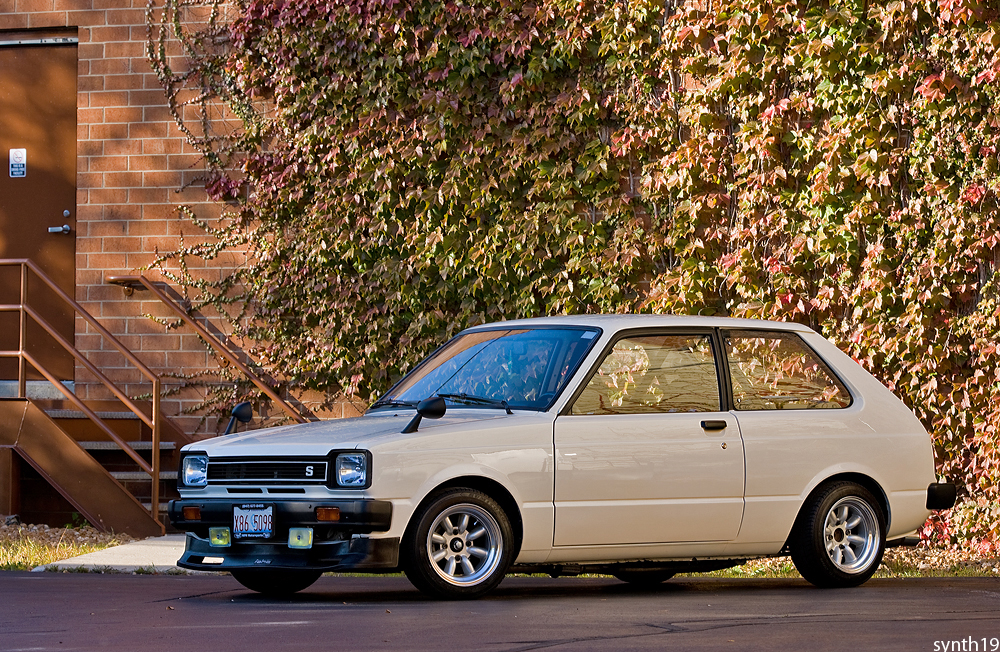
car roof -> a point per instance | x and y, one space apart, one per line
622 322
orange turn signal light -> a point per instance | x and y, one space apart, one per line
327 513
192 513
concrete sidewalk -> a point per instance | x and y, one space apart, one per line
153 555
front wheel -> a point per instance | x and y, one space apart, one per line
275 582
460 546
840 537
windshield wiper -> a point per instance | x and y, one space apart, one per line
391 402
477 400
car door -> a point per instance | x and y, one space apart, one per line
644 452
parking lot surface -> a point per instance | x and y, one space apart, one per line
86 611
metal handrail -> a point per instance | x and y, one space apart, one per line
154 420
134 281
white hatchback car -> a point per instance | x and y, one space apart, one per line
639 446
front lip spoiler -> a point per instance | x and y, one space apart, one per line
358 553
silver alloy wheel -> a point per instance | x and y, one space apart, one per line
464 544
851 535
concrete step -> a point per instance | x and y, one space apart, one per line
123 476
136 445
77 414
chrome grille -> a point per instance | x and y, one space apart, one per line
267 472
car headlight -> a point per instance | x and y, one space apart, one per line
194 470
352 469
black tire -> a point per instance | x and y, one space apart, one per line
643 576
839 538
275 582
459 546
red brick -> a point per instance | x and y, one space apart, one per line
182 359
105 293
82 132
108 163
71 5
148 196
90 83
28 6
122 179
115 196
86 148
89 213
147 162
122 147
157 114
82 67
126 17
147 226
90 116
127 82
144 327
108 227
90 51
161 145
89 180
147 98
148 129
106 261
161 179
89 342
123 244
122 114
84 17
165 214
185 161
109 98
47 19
110 33
161 342
126 49
106 131
13 21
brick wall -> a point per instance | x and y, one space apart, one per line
134 169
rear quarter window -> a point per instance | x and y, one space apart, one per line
772 370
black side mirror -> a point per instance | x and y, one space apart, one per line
242 413
432 408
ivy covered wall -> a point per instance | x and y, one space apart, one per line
403 169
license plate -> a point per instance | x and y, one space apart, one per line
253 521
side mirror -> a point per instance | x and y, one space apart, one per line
242 413
432 408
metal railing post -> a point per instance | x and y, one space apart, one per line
154 507
22 370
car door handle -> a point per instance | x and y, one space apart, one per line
714 424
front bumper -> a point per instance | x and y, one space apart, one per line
335 546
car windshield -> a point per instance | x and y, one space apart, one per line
519 368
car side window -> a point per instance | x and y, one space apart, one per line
653 374
778 371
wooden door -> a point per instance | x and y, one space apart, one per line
38 85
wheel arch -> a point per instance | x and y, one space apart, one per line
861 479
488 486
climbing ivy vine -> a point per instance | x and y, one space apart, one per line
397 170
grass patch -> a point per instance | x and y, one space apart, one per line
25 547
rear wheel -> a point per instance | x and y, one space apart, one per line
840 537
460 546
643 576
274 581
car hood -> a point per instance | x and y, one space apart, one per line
319 437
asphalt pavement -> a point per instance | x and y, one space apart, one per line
123 612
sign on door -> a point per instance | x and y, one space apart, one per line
18 163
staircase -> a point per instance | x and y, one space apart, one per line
114 461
